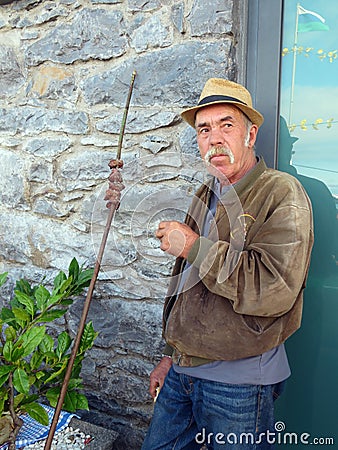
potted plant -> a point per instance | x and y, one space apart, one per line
32 360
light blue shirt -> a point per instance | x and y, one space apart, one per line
268 368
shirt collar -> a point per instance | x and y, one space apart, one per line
220 190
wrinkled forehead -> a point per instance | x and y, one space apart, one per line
217 112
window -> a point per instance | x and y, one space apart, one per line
292 70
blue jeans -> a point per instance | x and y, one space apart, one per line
191 412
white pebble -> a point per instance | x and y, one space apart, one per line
67 439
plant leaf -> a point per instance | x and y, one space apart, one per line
74 401
65 285
25 300
88 337
75 383
18 399
21 381
85 277
4 373
70 402
42 295
47 344
39 374
3 278
58 280
49 316
83 281
74 269
21 314
7 315
53 395
10 333
81 402
23 286
54 299
64 342
3 398
32 338
36 360
51 357
23 399
17 352
37 412
77 366
56 373
66 302
7 350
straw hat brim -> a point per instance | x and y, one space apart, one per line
189 114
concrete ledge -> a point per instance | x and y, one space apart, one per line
103 438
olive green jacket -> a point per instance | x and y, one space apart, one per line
244 293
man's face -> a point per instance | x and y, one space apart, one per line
225 143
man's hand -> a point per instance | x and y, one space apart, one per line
158 375
176 238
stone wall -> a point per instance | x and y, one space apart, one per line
65 70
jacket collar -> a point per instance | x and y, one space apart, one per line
249 179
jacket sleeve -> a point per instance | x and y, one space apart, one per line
266 276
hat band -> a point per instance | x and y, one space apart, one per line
217 98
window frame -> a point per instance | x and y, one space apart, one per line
263 70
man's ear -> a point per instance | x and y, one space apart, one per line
253 135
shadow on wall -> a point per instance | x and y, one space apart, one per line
309 403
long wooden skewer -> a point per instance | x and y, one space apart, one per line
125 114
90 289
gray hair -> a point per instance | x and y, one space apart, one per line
248 125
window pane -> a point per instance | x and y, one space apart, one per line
308 149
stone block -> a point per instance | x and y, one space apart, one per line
103 439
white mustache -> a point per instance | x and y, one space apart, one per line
215 151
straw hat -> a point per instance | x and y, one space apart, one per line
218 90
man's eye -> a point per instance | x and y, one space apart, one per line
203 130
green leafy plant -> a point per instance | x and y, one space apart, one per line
33 362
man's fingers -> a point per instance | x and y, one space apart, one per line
154 384
161 229
176 238
158 375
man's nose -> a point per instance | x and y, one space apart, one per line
216 137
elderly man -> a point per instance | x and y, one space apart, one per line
236 290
